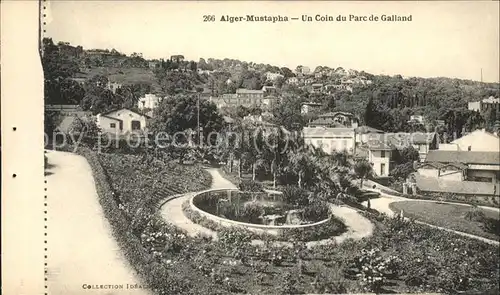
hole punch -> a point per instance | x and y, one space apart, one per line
14 128
14 175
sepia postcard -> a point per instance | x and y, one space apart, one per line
241 147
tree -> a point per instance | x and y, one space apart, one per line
179 113
363 170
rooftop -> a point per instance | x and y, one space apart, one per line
249 91
466 157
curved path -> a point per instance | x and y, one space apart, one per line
81 250
358 226
382 205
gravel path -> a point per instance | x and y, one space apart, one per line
81 250
358 226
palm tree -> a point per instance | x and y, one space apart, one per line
363 170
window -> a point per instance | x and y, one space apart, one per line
112 125
382 154
382 169
136 125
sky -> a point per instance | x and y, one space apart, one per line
444 39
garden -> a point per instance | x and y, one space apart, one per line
469 219
401 256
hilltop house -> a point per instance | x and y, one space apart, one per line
242 97
148 101
309 107
316 88
122 121
485 104
460 172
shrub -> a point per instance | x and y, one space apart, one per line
316 211
252 211
250 186
295 196
373 269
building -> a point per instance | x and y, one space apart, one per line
317 88
177 58
380 154
422 142
153 64
122 121
67 115
460 172
364 133
335 119
309 107
113 86
292 81
273 76
485 104
330 139
149 101
242 97
269 90
477 141
332 132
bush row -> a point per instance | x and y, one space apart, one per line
129 228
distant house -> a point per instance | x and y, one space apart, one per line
269 90
269 102
122 121
153 64
177 58
149 101
461 172
308 107
477 141
242 97
317 88
273 76
113 86
292 81
485 104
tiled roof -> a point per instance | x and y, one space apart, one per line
333 114
326 122
361 153
379 145
439 165
248 91
323 132
367 129
407 139
466 157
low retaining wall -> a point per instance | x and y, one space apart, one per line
256 228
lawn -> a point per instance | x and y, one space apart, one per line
451 216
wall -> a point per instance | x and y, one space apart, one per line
375 157
127 117
104 124
256 228
432 184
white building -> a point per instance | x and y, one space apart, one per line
122 121
273 76
330 139
308 107
477 141
292 81
485 104
149 101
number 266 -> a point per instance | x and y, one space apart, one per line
209 18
